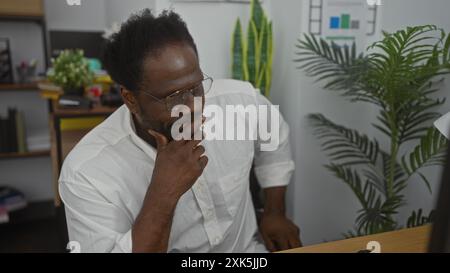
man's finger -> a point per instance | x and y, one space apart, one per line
199 151
203 161
294 241
161 140
297 236
268 242
193 143
282 243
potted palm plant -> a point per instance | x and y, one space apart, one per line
398 75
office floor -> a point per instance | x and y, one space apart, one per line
36 229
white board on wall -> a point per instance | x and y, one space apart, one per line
342 21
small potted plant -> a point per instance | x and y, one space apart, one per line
71 72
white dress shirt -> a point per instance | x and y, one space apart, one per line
105 177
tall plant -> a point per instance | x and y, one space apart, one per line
399 76
252 58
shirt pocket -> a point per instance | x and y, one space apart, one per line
235 186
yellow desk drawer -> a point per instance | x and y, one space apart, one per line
70 124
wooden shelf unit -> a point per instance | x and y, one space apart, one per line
30 154
22 8
8 87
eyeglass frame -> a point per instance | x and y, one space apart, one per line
181 91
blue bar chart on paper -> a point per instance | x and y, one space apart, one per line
342 22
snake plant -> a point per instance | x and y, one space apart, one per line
252 53
400 76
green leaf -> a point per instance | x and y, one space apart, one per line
238 59
257 15
417 218
430 151
343 144
252 51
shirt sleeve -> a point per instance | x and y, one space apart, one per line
273 160
93 223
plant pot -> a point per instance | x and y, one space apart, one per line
74 91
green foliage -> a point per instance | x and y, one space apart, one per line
238 49
71 70
399 75
252 58
417 219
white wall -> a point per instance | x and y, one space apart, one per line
119 10
89 16
211 24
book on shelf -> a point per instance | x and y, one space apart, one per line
4 216
13 133
10 200
21 135
12 130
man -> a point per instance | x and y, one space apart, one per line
128 186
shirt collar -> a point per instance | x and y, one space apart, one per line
130 128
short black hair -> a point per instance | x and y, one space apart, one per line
140 36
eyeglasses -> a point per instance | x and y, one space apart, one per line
183 96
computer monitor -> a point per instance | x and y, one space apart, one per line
440 235
90 42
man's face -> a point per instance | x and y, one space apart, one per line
174 68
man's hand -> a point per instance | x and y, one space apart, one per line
178 165
279 233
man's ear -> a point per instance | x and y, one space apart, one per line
129 99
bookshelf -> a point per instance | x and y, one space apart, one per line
22 87
26 11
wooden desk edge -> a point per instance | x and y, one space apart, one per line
413 240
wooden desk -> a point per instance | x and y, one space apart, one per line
414 240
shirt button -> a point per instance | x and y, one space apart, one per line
216 240
201 189
209 213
